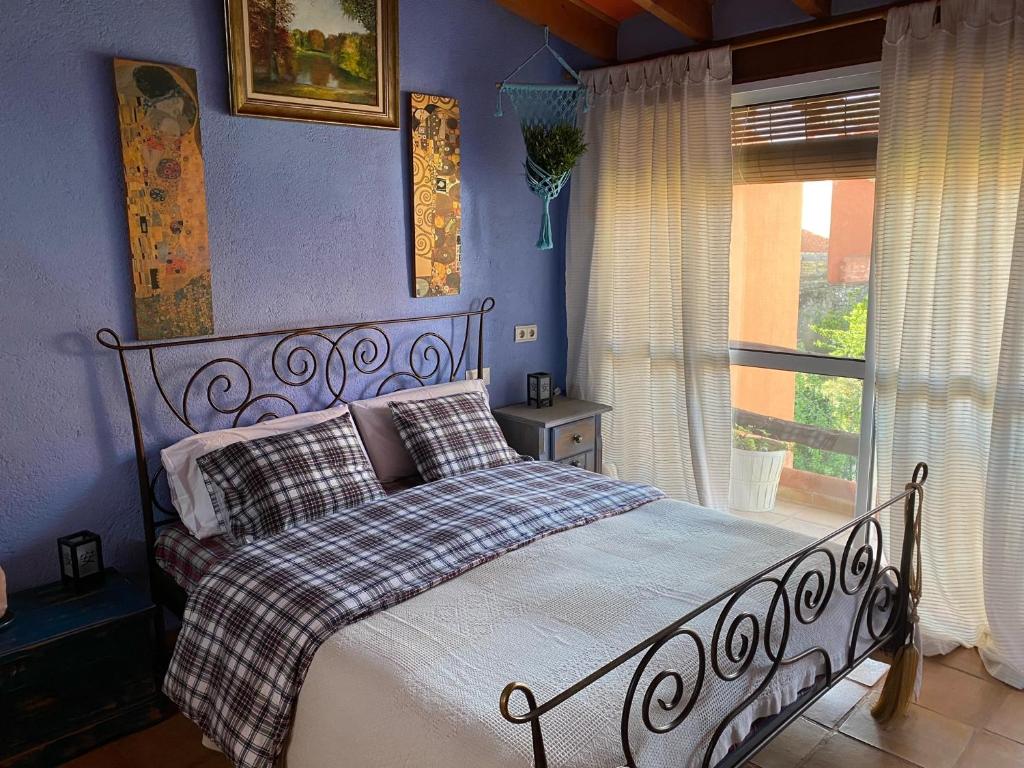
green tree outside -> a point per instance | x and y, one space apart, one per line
828 401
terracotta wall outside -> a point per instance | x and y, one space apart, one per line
849 245
764 296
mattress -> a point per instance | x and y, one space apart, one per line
417 685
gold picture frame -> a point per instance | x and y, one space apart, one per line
320 62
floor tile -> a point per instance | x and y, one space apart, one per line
175 743
923 737
966 660
869 672
839 751
1008 719
831 708
104 757
959 695
987 750
791 746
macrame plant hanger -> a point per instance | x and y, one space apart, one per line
547 106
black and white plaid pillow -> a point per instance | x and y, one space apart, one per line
275 482
448 436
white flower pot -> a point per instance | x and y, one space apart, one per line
755 479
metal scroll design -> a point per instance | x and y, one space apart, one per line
753 622
323 361
317 362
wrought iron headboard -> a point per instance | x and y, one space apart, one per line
294 367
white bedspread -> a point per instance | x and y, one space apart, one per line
417 686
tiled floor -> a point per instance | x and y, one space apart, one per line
797 517
964 719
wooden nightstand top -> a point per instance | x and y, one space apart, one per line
45 613
562 411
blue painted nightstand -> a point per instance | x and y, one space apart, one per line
76 669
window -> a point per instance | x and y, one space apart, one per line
800 263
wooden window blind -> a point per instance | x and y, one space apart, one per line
822 137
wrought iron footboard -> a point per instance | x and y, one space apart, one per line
801 587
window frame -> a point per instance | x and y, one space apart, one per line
819 83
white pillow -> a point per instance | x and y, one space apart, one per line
189 493
388 454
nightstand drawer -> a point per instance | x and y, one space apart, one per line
582 460
573 438
568 432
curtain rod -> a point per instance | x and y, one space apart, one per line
780 34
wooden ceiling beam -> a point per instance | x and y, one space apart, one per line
595 12
587 29
819 9
691 17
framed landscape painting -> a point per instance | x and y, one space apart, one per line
332 61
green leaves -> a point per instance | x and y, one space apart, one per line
555 149
844 335
363 11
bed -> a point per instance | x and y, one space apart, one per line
694 645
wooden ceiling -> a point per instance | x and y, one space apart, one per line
592 25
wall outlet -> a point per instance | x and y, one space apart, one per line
525 333
471 374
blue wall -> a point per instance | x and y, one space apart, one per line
308 224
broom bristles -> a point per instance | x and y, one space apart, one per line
899 688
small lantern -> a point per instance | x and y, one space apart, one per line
538 390
81 559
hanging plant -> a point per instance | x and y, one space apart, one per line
551 154
547 117
554 148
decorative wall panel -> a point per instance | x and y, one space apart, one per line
165 194
436 195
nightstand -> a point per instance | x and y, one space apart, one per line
76 670
568 432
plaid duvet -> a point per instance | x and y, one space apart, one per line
253 624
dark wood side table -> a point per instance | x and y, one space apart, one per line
76 670
568 432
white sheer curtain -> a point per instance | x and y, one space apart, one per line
647 271
949 323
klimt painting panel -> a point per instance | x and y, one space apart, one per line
165 195
437 193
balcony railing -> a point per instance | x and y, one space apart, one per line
847 443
